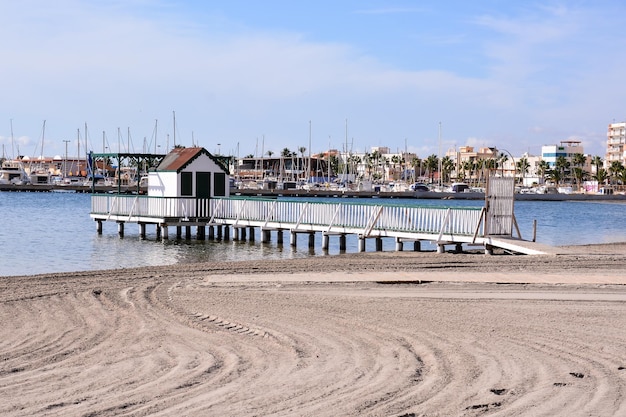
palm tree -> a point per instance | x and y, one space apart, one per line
601 175
579 176
522 167
467 166
479 167
578 159
489 165
447 166
432 162
384 162
501 161
269 155
350 164
395 160
375 159
615 168
302 150
597 162
562 165
334 163
367 160
542 169
416 164
555 175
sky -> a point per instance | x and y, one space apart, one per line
244 77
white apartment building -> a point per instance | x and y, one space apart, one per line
616 144
567 149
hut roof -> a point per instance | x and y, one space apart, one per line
179 158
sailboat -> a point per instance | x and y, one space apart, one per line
12 170
39 172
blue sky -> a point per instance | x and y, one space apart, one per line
254 76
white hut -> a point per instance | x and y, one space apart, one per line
189 173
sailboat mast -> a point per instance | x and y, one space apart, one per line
440 178
43 135
174 115
308 172
12 142
78 152
345 162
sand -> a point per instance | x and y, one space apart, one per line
373 334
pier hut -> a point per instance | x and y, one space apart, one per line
189 173
179 192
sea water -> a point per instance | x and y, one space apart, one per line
52 232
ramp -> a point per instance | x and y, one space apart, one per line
524 246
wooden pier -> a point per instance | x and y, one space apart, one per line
221 217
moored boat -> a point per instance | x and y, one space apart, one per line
13 172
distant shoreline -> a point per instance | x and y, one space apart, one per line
429 195
324 193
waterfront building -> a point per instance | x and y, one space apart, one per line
615 144
469 163
566 149
531 176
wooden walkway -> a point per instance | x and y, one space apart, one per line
405 223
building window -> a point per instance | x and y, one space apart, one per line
219 185
186 183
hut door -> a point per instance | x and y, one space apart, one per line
203 184
203 193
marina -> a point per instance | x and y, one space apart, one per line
318 193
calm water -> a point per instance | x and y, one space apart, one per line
52 232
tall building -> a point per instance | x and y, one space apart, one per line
616 144
566 148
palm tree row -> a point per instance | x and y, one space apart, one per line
565 171
376 166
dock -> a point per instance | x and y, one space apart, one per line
239 217
71 188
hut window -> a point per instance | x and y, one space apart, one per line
186 182
219 185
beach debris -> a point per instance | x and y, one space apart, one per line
483 406
498 391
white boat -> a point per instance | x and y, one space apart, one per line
40 177
458 187
13 172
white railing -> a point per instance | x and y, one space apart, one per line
290 214
145 206
404 218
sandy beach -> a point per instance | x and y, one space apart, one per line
369 334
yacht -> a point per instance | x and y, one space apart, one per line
12 172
